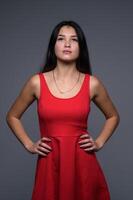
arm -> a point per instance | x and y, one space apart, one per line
22 102
103 101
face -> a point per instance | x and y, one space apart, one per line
67 46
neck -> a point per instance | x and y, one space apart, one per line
65 70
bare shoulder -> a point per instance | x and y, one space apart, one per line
96 86
25 98
34 81
31 87
95 81
34 84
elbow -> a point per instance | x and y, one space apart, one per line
8 117
117 119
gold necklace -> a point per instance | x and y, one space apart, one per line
62 92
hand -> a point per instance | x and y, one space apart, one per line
40 147
89 143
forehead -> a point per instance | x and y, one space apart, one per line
67 30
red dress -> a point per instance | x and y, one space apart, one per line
68 172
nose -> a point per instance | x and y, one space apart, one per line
67 43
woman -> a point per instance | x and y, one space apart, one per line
67 167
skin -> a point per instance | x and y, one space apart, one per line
64 71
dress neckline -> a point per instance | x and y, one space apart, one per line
77 94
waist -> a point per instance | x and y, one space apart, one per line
63 131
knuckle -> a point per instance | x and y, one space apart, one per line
43 139
41 144
43 154
47 150
86 149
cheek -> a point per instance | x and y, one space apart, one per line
57 48
76 48
76 51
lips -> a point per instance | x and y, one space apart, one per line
67 51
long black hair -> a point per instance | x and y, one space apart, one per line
83 61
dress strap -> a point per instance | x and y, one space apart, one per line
42 85
86 87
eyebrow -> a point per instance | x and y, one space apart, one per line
64 35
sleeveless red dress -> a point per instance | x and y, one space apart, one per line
68 172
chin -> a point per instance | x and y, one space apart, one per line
68 60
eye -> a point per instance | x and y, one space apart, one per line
74 39
60 39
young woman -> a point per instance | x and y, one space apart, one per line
67 167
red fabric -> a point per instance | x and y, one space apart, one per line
68 172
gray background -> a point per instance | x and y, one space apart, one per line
25 27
